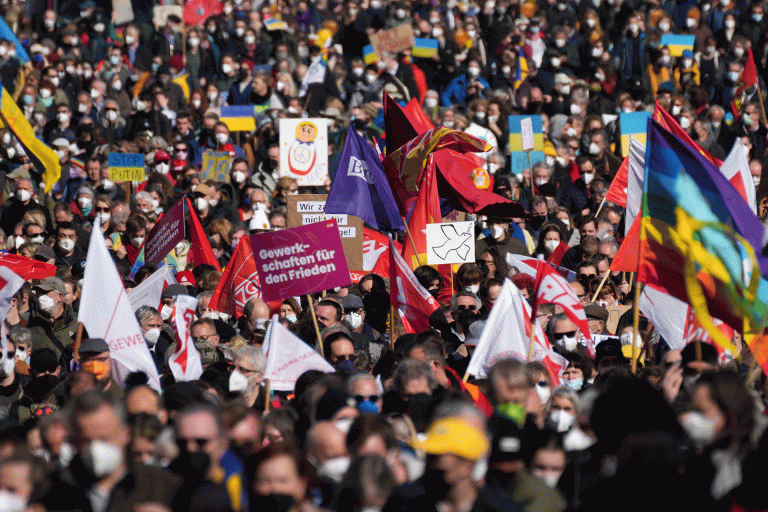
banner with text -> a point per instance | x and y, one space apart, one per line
301 260
168 232
126 166
308 208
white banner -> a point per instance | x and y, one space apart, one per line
185 362
150 291
288 357
10 282
304 150
106 312
450 242
635 177
737 163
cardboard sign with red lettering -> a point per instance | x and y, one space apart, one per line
300 260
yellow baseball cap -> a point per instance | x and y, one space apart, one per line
454 436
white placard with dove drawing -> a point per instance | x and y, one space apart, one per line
450 242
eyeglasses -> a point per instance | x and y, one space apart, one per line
462 307
368 398
345 357
102 209
199 442
587 276
561 335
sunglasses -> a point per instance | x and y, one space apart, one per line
345 357
199 442
368 398
464 306
561 335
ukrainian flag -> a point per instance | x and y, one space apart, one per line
677 43
698 239
45 160
369 56
424 47
238 118
518 160
21 54
633 126
274 24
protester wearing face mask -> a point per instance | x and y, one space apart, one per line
326 447
468 278
246 374
549 462
500 238
151 324
290 310
100 433
95 359
340 351
53 323
564 333
22 202
68 253
354 316
456 92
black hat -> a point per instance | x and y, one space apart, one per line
94 346
43 360
332 402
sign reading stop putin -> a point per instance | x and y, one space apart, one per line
300 260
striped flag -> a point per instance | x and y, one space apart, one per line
238 118
424 47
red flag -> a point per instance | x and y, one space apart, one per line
557 255
27 268
552 288
617 192
197 11
239 283
628 256
748 79
400 124
200 249
670 124
412 301
574 172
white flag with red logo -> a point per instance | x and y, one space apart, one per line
736 168
412 301
106 312
507 334
551 288
10 282
528 265
288 357
185 361
150 290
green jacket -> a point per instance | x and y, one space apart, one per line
59 335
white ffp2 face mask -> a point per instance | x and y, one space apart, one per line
47 304
102 458
152 336
237 382
354 320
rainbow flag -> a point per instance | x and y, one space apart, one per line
698 239
44 158
633 126
369 56
424 47
238 118
677 43
274 24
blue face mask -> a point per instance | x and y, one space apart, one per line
368 406
345 366
575 384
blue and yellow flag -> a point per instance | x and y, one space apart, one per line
424 47
44 158
677 43
238 118
633 126
369 55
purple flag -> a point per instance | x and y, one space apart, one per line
360 187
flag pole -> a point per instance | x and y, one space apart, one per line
314 321
413 243
635 326
392 326
78 341
268 391
530 344
530 169
600 207
600 287
466 377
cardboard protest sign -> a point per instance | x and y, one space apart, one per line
126 167
300 261
393 40
450 243
160 14
304 150
525 135
216 165
308 208
614 313
122 12
168 232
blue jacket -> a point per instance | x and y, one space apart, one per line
456 91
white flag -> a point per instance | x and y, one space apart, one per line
736 169
507 335
10 282
185 362
106 313
288 357
150 291
635 177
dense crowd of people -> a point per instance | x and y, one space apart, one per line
397 426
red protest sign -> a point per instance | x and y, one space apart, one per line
299 261
168 232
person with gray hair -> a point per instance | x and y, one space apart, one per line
413 377
247 373
562 408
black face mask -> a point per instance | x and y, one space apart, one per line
273 502
536 221
434 482
191 465
533 107
500 479
434 292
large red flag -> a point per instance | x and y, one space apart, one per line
552 288
239 283
557 255
197 11
748 79
200 249
670 124
617 192
412 301
26 267
628 256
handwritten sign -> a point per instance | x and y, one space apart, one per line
168 232
308 208
304 150
299 261
126 167
216 165
393 40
